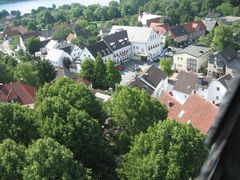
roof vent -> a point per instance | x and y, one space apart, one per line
180 115
189 122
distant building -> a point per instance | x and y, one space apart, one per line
224 62
210 24
146 19
21 93
70 37
104 32
161 30
179 35
191 58
58 57
152 80
146 44
195 110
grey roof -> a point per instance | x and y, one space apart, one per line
117 40
186 82
178 30
225 80
224 57
99 47
65 47
149 79
83 33
64 72
210 24
194 50
142 85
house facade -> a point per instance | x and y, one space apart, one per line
191 58
179 35
146 44
93 50
57 57
119 44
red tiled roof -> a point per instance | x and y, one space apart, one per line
191 26
70 37
22 93
161 29
200 112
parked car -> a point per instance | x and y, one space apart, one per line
120 68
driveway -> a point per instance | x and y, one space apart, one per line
130 72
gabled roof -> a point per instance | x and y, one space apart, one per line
194 50
117 40
52 44
161 29
186 82
196 110
224 57
149 79
210 24
225 80
18 92
135 34
99 47
178 31
191 26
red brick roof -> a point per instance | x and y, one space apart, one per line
196 110
18 92
191 26
161 29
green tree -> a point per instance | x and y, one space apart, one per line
6 73
26 72
166 66
47 159
99 72
78 96
46 71
113 76
33 45
226 8
87 69
223 37
168 41
17 123
12 159
61 32
24 56
169 150
206 40
133 111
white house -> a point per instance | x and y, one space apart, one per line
120 46
146 18
53 44
56 57
146 44
218 88
97 48
191 58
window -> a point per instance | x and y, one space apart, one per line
218 88
217 97
192 64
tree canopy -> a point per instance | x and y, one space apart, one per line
166 66
168 150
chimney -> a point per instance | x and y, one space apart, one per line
170 103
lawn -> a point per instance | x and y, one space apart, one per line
13 42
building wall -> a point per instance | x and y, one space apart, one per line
76 52
162 87
123 54
216 92
86 54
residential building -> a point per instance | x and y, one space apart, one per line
119 44
179 35
186 84
161 29
93 50
146 44
195 29
196 111
152 80
58 57
191 58
53 44
17 92
146 18
224 62
73 50
218 88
